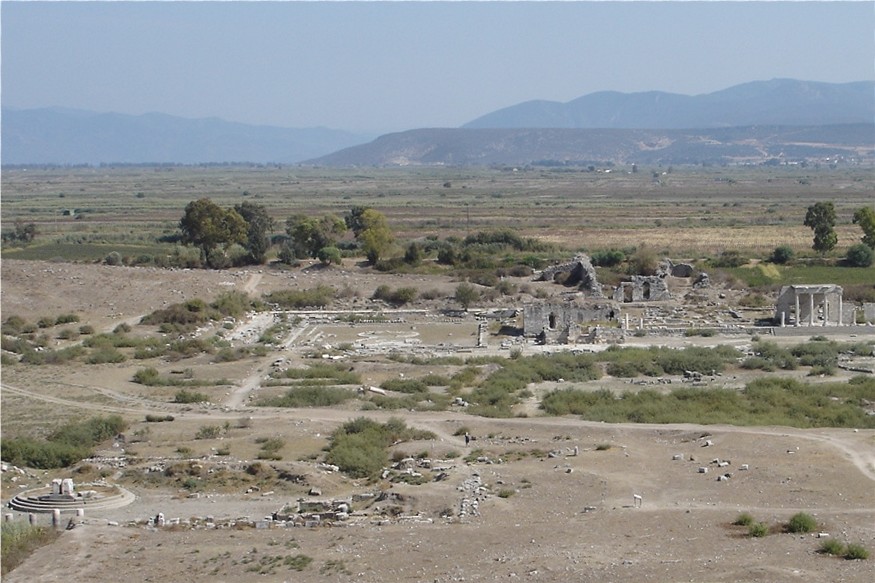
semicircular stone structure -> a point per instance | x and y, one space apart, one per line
61 495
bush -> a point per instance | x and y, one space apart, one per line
158 418
856 552
801 522
208 432
186 397
758 529
744 519
360 447
65 446
782 255
317 297
831 546
20 540
860 255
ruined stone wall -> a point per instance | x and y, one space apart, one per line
642 288
563 322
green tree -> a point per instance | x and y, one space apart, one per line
329 255
782 255
354 221
376 238
865 217
209 226
310 234
259 226
466 294
821 218
413 254
860 255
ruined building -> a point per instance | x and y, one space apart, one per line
565 322
810 305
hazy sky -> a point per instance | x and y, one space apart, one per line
385 66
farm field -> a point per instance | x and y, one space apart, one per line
237 417
685 212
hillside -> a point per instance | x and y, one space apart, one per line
66 136
487 147
775 102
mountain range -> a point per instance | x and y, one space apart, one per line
775 102
70 136
781 118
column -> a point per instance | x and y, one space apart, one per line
840 310
825 308
796 297
811 309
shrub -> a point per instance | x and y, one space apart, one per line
831 546
67 319
20 540
65 446
318 297
185 396
801 522
208 432
158 418
782 255
856 552
758 529
860 255
314 396
360 447
744 519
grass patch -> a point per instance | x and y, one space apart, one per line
766 401
18 540
801 522
360 447
64 447
309 397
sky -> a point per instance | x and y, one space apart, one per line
390 66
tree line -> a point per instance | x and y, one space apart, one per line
216 231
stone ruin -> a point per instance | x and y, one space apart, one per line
580 271
565 322
642 288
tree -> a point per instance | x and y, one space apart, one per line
310 234
354 220
466 294
782 255
821 218
259 225
329 255
865 217
860 255
413 255
376 238
23 233
208 226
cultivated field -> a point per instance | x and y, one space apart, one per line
532 495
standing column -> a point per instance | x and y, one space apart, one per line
810 309
840 310
796 297
825 309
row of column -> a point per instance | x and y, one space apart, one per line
811 295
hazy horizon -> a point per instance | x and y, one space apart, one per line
390 66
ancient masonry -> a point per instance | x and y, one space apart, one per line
811 305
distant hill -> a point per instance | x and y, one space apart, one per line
557 146
776 102
68 136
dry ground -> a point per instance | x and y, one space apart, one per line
539 531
